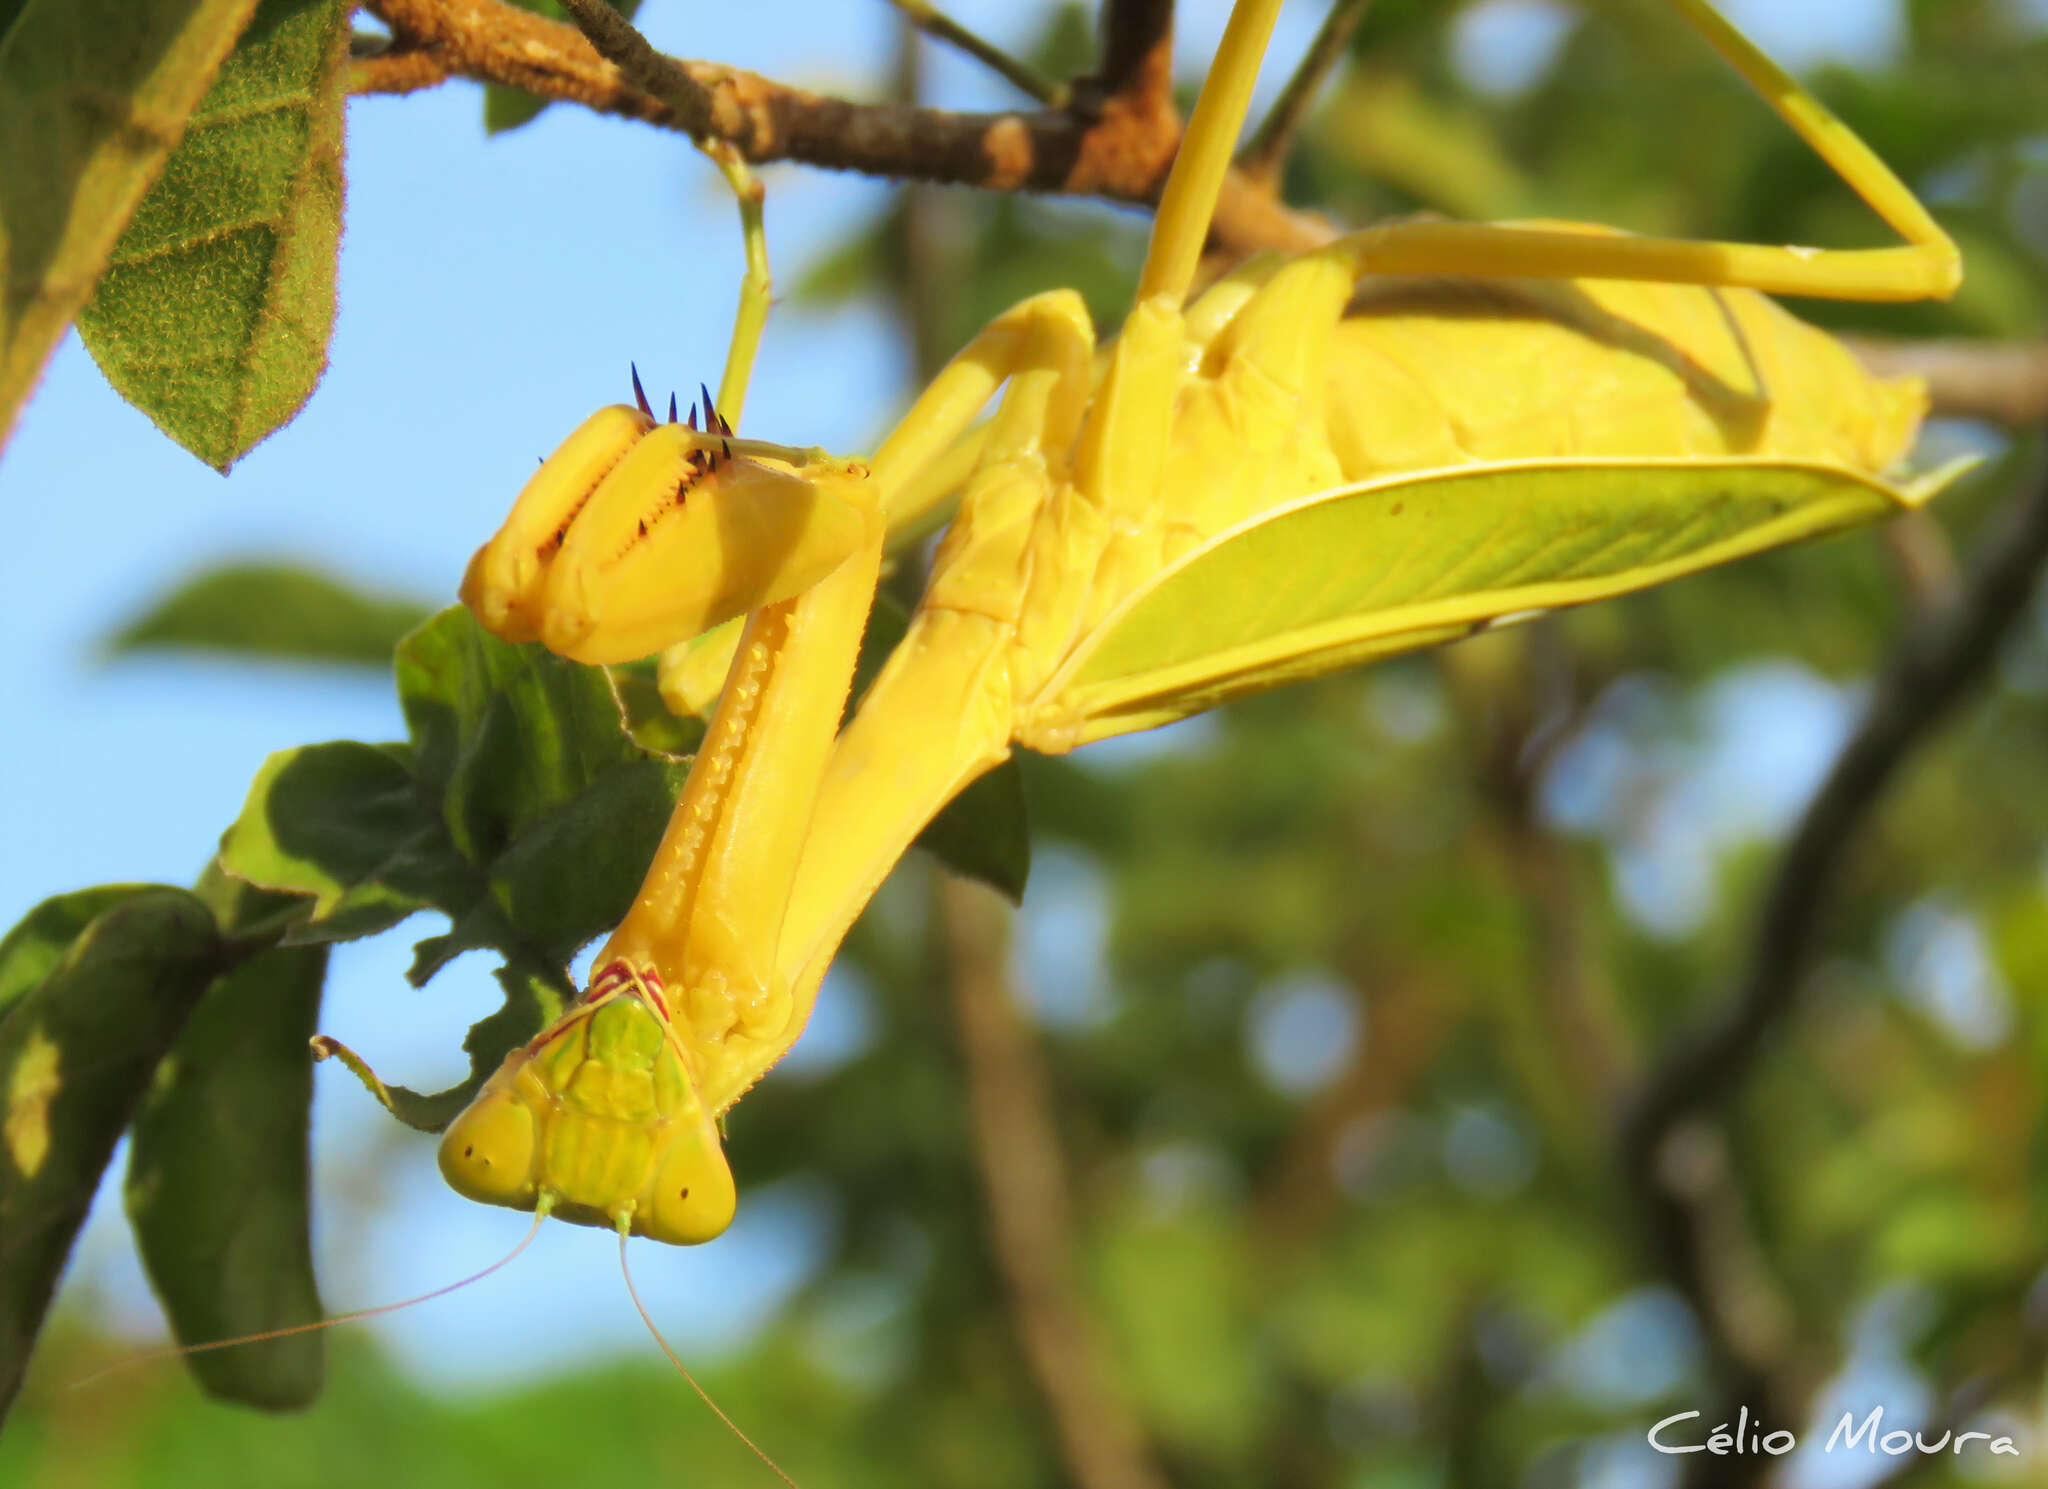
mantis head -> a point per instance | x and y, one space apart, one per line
598 1120
635 534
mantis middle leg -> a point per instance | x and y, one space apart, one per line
1926 266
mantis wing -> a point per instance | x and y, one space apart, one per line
1358 572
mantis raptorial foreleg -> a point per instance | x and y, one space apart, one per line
602 1117
710 914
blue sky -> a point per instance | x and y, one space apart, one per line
492 293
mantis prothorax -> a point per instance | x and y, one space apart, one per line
1308 466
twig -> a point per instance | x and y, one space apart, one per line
1931 669
915 270
2005 382
1263 157
1025 1186
1114 141
1115 147
1021 75
1137 48
1923 559
767 121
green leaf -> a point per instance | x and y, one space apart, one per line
523 810
985 832
75 1057
217 1181
503 734
275 610
31 951
347 824
244 912
93 95
637 692
508 108
217 302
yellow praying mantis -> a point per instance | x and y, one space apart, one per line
1409 434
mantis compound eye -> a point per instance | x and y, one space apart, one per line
693 1197
488 1152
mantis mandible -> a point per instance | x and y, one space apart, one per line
1322 459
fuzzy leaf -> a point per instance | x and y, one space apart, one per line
217 302
76 1054
93 95
275 610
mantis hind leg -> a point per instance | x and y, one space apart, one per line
1049 334
1927 266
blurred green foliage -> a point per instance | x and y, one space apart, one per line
1338 991
280 609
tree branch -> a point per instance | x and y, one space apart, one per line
1020 75
1116 146
1025 1185
435 40
1931 669
2005 382
1137 48
1113 141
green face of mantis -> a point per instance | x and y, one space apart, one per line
598 1120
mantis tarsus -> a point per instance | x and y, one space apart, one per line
1319 460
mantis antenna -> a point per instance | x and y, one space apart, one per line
626 1271
357 1315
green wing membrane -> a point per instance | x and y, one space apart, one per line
1359 572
